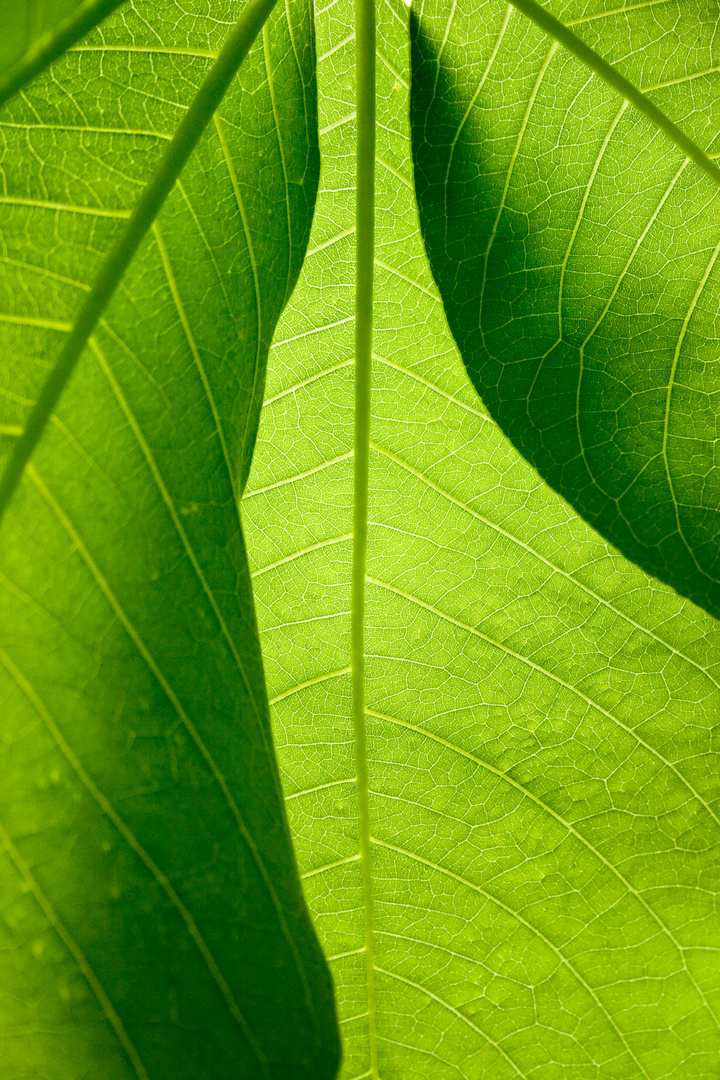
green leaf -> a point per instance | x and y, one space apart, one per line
575 248
33 33
153 921
541 716
142 218
543 778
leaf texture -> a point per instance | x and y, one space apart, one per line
33 33
153 921
541 715
576 252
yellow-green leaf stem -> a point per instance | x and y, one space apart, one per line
144 213
365 255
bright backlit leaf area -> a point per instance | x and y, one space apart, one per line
185 886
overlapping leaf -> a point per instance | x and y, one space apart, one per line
576 252
153 924
543 776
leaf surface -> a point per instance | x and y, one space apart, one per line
576 249
543 780
153 921
33 33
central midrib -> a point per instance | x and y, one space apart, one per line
364 268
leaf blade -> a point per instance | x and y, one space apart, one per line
464 535
158 835
575 342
